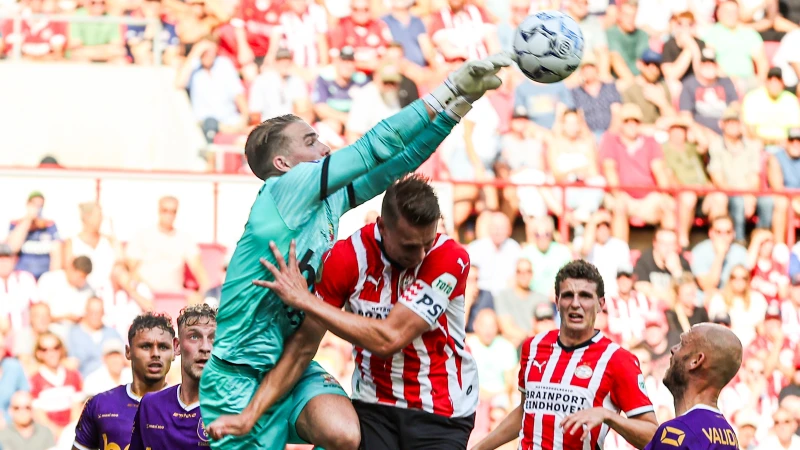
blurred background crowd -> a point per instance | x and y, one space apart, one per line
678 139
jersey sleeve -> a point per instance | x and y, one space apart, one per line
137 441
628 390
441 278
339 274
523 363
86 432
673 435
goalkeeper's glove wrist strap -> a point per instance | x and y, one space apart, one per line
458 108
440 96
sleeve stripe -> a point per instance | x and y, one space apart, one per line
639 411
351 195
79 446
323 189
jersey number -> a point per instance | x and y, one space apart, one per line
434 310
296 316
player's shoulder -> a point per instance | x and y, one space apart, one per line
677 433
161 397
446 248
620 357
545 339
345 250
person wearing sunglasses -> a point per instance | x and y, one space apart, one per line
24 432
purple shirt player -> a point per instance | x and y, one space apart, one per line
107 420
165 422
700 428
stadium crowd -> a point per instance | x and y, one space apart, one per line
671 94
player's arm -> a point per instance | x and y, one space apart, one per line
505 432
86 432
637 430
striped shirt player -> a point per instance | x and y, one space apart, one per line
557 381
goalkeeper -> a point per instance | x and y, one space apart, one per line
306 189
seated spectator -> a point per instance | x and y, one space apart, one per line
495 357
626 42
654 340
746 422
683 49
777 351
770 111
66 291
38 39
515 305
769 277
657 267
740 50
412 76
157 255
333 91
25 339
789 162
406 29
96 41
23 432
12 379
303 30
654 385
35 239
787 57
113 371
475 298
17 290
376 101
215 90
85 340
605 251
55 388
127 298
100 248
768 18
544 253
685 311
595 42
649 92
196 21
518 10
744 305
278 90
544 102
653 16
459 24
686 167
140 38
598 101
747 391
367 36
544 318
631 159
246 38
790 311
735 164
714 258
496 253
705 95
627 309
783 435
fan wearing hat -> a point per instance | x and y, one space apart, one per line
35 240
705 94
333 92
376 101
649 91
770 111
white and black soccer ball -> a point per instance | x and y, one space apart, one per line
548 46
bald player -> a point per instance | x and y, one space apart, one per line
706 359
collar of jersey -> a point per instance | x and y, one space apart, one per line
183 405
129 391
595 338
702 406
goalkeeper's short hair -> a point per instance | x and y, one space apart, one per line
265 142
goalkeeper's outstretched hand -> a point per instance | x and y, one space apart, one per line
474 78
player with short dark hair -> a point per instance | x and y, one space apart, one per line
306 190
107 418
705 361
170 419
574 380
415 384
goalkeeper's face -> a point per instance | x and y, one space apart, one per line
303 145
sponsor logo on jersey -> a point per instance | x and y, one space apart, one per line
329 381
405 281
672 436
201 431
445 284
584 372
642 386
721 436
555 399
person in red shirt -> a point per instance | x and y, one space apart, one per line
368 37
40 39
459 25
575 381
246 39
55 389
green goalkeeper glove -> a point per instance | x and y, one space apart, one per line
470 81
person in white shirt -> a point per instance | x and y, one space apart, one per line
101 249
603 250
278 90
784 429
374 102
66 291
497 255
112 373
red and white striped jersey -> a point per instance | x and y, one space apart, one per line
17 293
435 373
626 317
557 381
466 30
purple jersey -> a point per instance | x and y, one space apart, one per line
700 428
165 422
107 420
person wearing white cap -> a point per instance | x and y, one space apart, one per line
112 373
746 422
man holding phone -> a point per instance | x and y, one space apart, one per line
35 239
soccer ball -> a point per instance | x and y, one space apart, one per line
549 46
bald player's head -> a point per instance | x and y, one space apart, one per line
708 357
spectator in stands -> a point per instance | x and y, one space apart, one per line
784 432
246 38
25 339
714 258
127 298
544 318
495 357
304 29
649 91
769 277
735 163
157 255
519 10
411 75
17 290
100 248
748 391
66 291
376 101
605 251
96 41
706 95
544 253
626 42
475 298
746 422
595 43
630 159
459 25
658 393
368 36
279 90
497 254
406 29
790 311
770 111
685 312
215 90
740 49
54 387
789 162
599 101
787 57
775 348
112 372
515 305
86 339
627 308
685 163
35 239
333 92
12 379
23 432
657 267
544 102
140 39
745 306
682 51
38 39
197 19
654 16
654 340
